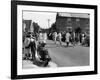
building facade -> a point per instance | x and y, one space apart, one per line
72 21
27 25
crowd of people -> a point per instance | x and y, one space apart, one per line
34 49
34 45
70 37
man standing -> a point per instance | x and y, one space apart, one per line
59 38
73 38
33 47
67 38
44 38
27 49
55 36
83 38
40 38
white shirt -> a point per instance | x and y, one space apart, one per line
55 34
59 35
67 37
44 37
40 37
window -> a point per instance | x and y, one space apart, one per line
69 19
77 20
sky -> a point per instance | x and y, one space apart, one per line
40 17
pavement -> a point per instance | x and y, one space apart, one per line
27 64
63 56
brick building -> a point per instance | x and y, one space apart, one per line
26 25
71 21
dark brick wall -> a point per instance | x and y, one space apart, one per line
63 22
28 24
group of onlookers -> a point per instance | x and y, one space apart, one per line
70 37
34 45
34 49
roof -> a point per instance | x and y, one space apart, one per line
79 15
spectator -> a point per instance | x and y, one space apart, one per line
59 38
27 49
67 38
73 38
55 37
83 38
40 38
44 37
33 47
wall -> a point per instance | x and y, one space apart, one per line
62 23
28 24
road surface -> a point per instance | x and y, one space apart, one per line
68 56
65 56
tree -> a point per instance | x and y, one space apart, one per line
53 28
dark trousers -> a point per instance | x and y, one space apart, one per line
33 48
33 54
67 43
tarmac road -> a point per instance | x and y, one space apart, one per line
64 56
68 56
